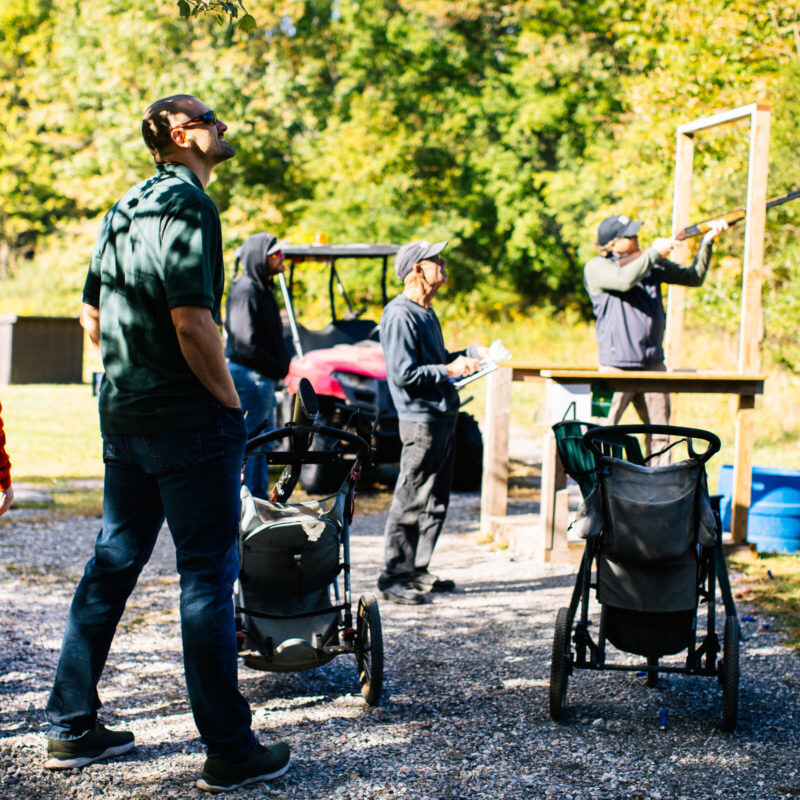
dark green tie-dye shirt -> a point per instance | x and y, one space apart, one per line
159 247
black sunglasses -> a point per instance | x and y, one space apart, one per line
208 118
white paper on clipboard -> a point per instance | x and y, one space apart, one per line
497 352
460 382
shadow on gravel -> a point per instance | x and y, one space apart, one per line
314 687
169 746
498 587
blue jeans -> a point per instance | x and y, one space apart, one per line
191 477
257 394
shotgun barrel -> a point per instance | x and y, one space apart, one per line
732 217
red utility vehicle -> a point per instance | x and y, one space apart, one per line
344 362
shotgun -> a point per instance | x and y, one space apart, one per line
731 217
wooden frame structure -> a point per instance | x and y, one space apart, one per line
751 325
545 537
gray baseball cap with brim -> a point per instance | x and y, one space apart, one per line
616 227
414 252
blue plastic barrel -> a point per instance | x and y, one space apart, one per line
773 524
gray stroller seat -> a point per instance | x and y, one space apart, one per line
648 556
289 559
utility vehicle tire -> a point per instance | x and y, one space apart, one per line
652 677
468 456
560 665
369 649
729 668
322 478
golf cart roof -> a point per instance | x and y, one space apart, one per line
326 252
330 254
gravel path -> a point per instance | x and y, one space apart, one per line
465 711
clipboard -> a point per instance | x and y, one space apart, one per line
459 383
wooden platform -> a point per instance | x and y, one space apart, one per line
524 535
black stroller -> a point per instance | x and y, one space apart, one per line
655 542
294 556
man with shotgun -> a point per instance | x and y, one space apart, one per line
624 283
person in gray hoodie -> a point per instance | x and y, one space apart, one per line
255 347
624 284
419 371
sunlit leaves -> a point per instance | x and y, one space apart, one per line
222 11
508 128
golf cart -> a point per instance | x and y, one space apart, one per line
345 365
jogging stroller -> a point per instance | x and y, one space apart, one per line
655 543
293 600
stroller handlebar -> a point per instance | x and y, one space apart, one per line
689 434
359 445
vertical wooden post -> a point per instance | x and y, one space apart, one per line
553 479
751 330
681 206
494 487
742 467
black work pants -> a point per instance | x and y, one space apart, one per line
420 498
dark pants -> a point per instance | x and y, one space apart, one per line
653 408
420 498
191 477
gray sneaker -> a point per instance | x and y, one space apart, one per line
92 746
403 594
262 764
424 581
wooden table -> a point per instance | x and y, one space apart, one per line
494 496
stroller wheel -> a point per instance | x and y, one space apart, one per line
652 677
560 664
729 668
369 649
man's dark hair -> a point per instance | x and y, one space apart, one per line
156 123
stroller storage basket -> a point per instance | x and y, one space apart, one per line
648 633
287 551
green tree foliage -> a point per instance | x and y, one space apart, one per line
223 12
509 128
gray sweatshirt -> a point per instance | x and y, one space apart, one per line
628 305
415 355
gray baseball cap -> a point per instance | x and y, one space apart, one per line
414 252
617 227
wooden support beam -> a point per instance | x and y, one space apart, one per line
742 467
557 548
494 491
723 118
553 479
681 208
751 332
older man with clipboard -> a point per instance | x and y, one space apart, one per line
420 372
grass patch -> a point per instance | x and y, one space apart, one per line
771 583
52 432
80 502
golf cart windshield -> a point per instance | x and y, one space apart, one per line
331 254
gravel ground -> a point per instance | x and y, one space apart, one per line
465 709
